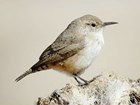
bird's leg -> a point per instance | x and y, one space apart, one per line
77 80
80 83
85 81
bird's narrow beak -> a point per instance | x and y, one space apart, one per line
109 23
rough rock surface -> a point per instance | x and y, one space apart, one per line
107 89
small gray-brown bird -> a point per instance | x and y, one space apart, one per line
74 49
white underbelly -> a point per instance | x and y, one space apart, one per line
83 58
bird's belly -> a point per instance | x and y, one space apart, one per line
83 59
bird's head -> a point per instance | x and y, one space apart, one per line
92 23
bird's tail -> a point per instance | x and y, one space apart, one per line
23 75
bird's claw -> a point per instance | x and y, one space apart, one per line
84 84
85 81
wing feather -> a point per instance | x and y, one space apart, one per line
62 48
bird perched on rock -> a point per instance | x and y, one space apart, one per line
74 49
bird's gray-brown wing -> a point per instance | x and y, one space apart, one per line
61 49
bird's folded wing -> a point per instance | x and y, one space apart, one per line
51 55
63 53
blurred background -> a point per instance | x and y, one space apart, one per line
27 27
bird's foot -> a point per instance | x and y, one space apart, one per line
83 83
94 78
76 77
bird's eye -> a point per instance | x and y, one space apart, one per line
93 25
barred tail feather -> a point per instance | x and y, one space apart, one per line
23 75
